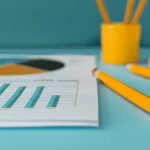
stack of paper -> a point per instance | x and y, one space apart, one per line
47 91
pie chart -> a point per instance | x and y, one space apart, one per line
18 66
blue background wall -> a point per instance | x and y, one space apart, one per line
32 23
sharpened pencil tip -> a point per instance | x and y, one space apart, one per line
129 66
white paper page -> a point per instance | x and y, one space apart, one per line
66 97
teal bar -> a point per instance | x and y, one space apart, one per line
32 101
53 101
3 88
14 97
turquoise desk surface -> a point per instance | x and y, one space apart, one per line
122 125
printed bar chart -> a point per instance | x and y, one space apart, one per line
53 101
14 97
3 88
34 97
40 94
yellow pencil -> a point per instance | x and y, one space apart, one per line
128 12
103 11
139 11
127 92
139 70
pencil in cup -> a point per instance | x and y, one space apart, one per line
139 70
129 8
103 11
139 11
127 92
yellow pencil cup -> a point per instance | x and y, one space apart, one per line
120 43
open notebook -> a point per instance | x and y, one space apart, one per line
38 90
